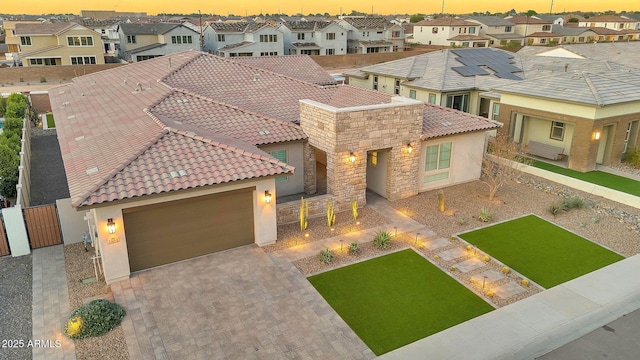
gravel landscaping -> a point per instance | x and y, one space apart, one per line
16 295
110 346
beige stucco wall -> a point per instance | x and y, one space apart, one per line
115 258
539 130
65 52
294 183
466 160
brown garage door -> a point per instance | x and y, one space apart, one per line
177 230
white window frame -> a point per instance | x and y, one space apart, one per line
412 94
131 39
465 103
71 41
330 36
83 58
25 40
557 126
221 37
301 36
442 165
330 51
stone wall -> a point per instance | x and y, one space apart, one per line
289 212
340 132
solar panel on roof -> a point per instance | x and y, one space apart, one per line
501 63
469 70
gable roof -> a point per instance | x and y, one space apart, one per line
445 21
305 70
307 25
610 18
369 22
118 152
521 19
43 28
442 121
491 20
149 28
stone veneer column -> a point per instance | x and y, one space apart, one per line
584 149
309 154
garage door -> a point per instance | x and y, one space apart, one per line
177 230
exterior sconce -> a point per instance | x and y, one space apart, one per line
596 135
111 226
267 196
409 148
352 157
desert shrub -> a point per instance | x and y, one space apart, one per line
382 239
484 215
3 106
326 256
94 319
633 158
572 203
554 209
354 248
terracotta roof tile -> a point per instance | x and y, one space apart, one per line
441 121
301 67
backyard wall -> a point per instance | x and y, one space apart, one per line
72 222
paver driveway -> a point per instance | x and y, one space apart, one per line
236 304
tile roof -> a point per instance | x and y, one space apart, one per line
147 29
305 45
368 22
491 20
445 21
610 18
43 29
119 128
568 31
441 121
236 46
177 161
305 69
521 19
604 31
307 25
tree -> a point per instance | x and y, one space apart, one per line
531 13
574 20
9 162
502 163
16 106
415 18
3 106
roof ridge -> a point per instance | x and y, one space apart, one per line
85 195
162 79
594 91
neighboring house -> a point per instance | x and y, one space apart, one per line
366 35
108 30
13 41
573 35
500 32
612 22
553 19
314 38
208 145
449 31
552 96
243 39
527 25
59 44
140 42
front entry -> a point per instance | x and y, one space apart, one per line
377 169
606 142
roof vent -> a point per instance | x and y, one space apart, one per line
182 172
446 123
80 138
256 77
264 132
71 117
174 174
92 171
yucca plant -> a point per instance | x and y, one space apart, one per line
354 209
331 216
441 200
304 214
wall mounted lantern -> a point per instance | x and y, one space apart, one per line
111 226
267 196
409 148
596 135
352 157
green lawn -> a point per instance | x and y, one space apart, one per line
541 251
610 181
397 299
50 123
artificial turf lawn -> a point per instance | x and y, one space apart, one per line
607 180
397 299
541 251
50 123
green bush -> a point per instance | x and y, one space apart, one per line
94 319
16 106
354 248
382 239
43 79
3 106
326 256
572 203
633 158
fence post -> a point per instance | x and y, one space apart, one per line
16 231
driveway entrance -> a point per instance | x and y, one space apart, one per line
234 304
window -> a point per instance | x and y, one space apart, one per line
131 39
432 98
371 50
25 40
472 30
310 52
458 102
465 44
269 38
44 61
507 29
438 157
269 53
395 34
434 30
396 87
330 51
83 60
80 40
331 36
221 38
496 111
581 39
412 94
280 155
546 27
375 83
184 39
557 131
300 36
146 57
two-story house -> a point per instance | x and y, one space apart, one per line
145 41
500 32
58 44
613 22
243 39
13 41
314 38
108 30
366 35
532 28
449 31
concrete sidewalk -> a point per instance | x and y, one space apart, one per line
539 324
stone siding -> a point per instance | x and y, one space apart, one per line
289 212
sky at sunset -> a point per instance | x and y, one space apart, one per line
240 7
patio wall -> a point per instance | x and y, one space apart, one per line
289 212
